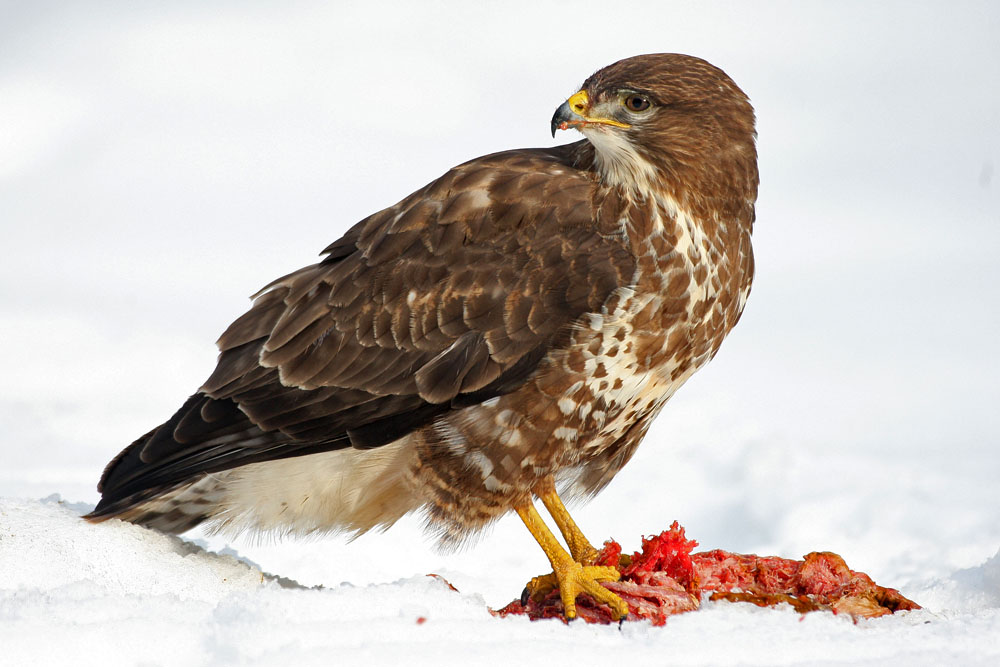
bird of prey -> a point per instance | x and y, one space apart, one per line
510 329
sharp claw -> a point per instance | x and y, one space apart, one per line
585 579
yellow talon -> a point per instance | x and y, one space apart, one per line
541 586
568 575
571 579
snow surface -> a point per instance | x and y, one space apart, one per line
160 161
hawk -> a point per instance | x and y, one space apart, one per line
510 329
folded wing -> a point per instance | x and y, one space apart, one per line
451 297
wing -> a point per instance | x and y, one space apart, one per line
449 298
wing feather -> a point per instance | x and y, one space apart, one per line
449 298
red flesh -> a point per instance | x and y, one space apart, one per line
666 578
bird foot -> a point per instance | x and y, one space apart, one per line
571 579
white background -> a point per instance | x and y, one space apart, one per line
159 162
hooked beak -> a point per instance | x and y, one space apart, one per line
562 117
575 112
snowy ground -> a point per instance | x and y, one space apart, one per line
121 594
159 162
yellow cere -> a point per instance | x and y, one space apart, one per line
580 103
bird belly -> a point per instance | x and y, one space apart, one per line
346 490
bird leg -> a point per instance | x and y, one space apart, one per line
571 577
579 546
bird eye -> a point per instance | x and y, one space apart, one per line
636 103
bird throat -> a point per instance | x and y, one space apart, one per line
619 163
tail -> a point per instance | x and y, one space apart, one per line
165 480
239 488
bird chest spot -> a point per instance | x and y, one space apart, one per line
510 438
476 459
566 433
506 418
567 405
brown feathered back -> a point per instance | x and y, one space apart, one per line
449 298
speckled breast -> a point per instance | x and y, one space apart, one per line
688 294
586 409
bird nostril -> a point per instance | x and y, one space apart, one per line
578 103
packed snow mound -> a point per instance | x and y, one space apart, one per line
973 589
74 594
113 558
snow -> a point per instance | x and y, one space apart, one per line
120 594
163 161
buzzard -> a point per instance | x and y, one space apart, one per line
510 329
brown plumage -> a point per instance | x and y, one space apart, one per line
517 322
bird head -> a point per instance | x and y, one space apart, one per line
663 117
